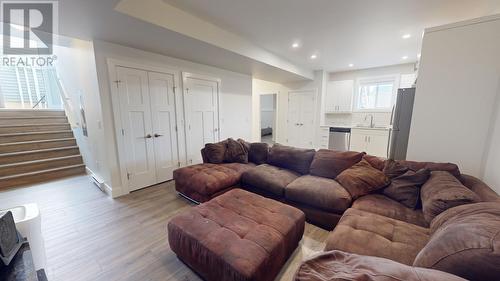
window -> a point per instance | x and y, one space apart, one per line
375 95
28 87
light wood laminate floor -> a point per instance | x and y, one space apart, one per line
89 236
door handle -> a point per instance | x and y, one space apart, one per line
157 135
148 136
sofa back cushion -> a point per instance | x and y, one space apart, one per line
330 163
214 152
362 179
393 169
376 162
446 167
443 191
258 153
292 158
406 188
235 152
465 241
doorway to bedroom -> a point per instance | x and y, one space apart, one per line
268 118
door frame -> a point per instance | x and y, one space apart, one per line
314 92
186 75
115 104
276 115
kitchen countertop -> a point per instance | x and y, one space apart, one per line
381 128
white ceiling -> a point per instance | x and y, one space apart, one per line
365 33
98 19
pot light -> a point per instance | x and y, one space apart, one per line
419 55
351 65
313 57
295 45
404 57
406 36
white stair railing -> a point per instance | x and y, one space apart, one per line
68 107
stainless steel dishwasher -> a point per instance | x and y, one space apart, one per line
340 138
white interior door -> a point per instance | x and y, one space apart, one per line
293 128
201 107
135 110
301 111
307 112
161 89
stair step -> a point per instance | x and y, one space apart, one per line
41 176
39 165
31 112
23 156
36 145
26 128
32 136
33 120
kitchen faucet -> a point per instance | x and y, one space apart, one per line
371 120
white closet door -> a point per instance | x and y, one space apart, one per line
202 116
135 113
161 89
293 130
308 109
301 110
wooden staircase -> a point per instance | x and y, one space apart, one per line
36 146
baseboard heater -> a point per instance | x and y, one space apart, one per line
96 180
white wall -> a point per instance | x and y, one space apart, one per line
76 68
235 98
455 101
380 118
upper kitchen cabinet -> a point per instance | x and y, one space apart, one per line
339 96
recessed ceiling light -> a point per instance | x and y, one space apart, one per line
295 45
313 57
404 57
419 55
351 65
406 36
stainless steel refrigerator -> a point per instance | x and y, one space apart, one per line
401 122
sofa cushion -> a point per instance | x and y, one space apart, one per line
202 182
235 152
364 233
269 178
246 145
295 159
465 241
443 191
376 162
362 179
446 167
338 265
382 205
330 163
215 152
258 153
393 169
322 193
406 188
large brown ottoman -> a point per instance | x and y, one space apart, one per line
237 236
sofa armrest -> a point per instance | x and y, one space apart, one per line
338 265
480 188
203 155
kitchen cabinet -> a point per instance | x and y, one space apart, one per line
324 135
372 141
339 96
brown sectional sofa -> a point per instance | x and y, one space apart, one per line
374 224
